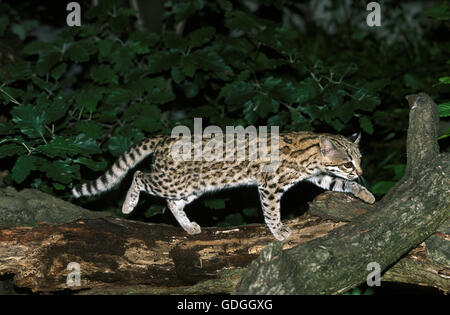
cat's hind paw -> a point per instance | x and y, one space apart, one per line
282 234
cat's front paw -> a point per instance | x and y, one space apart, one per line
282 234
127 207
366 196
193 228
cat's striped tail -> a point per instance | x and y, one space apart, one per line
118 170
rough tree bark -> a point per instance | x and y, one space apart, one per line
328 252
411 212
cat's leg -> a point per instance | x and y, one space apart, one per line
176 207
342 185
270 201
133 193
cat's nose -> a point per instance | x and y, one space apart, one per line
359 172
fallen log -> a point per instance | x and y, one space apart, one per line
411 212
328 252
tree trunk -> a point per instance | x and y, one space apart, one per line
410 213
328 252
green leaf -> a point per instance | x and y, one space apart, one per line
154 210
11 149
59 71
64 147
162 61
382 187
444 109
123 59
441 12
306 91
177 75
365 102
262 62
59 147
119 95
19 30
185 9
335 123
250 212
200 36
281 90
78 52
241 21
445 135
7 128
188 65
333 96
119 144
158 92
59 171
299 120
265 105
24 165
208 60
58 186
36 47
237 92
90 128
103 74
225 5
344 112
86 145
20 71
29 119
233 219
250 112
90 97
215 203
376 85
445 80
191 89
43 84
54 109
93 165
145 38
46 61
366 124
105 47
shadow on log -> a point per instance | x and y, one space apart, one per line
328 252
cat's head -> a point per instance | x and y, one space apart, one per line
341 156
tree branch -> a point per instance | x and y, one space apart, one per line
421 145
411 212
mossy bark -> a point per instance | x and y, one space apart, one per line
410 213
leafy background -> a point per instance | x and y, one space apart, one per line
74 101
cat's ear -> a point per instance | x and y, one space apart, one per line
356 137
327 147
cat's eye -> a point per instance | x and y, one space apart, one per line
348 165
